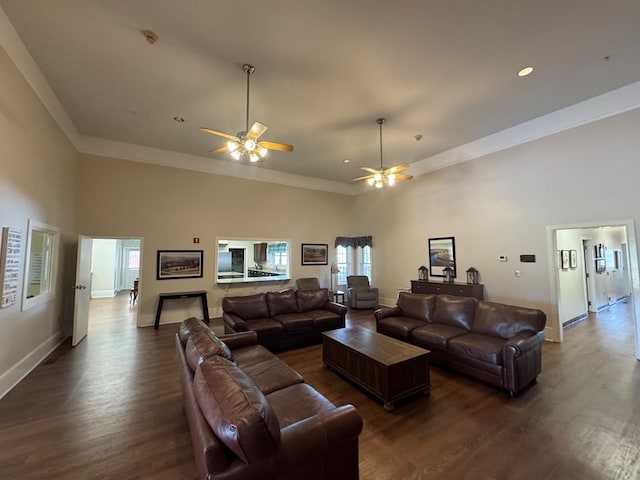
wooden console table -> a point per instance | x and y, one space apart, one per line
459 289
171 296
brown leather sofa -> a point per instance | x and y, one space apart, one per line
285 319
496 343
252 417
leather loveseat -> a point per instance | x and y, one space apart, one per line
285 319
496 343
252 417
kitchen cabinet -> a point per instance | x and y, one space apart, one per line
260 252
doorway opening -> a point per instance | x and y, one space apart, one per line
592 266
107 272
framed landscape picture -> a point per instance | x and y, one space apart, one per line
179 264
315 253
565 259
442 254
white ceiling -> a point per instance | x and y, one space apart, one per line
325 70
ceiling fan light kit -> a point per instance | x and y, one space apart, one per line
384 176
246 143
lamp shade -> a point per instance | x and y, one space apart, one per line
334 268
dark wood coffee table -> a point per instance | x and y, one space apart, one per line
385 367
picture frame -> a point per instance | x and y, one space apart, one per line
315 254
175 264
565 259
573 259
442 254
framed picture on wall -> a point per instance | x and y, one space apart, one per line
565 259
573 259
315 254
442 254
179 264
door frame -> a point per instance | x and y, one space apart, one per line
633 274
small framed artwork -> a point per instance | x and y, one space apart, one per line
442 254
565 259
315 254
179 264
573 259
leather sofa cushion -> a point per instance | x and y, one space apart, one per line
312 299
295 321
435 335
506 321
272 374
296 403
324 319
264 326
398 327
203 344
247 307
282 302
249 355
415 306
455 311
188 326
236 410
478 347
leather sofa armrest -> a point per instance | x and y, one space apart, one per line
381 313
336 308
240 339
522 343
233 323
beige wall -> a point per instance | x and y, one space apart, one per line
502 203
37 180
167 207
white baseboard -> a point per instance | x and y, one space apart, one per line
103 294
15 374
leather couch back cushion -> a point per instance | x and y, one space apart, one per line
455 311
188 326
246 307
204 344
415 306
312 299
235 409
507 321
282 302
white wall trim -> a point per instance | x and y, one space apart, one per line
16 373
103 294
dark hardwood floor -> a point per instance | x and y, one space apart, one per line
111 408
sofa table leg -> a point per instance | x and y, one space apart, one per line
388 407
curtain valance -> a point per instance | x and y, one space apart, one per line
365 241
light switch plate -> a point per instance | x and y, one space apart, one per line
502 258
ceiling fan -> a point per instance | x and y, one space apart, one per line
248 142
384 176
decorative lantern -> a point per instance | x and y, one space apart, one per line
472 276
423 273
448 274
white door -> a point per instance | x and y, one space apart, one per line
83 290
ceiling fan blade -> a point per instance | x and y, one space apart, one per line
219 150
362 178
397 168
283 147
370 170
256 130
220 134
402 176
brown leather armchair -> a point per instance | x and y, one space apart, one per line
360 294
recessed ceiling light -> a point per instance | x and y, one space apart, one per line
346 160
178 119
525 71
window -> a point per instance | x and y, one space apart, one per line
41 263
134 260
342 262
365 263
277 253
